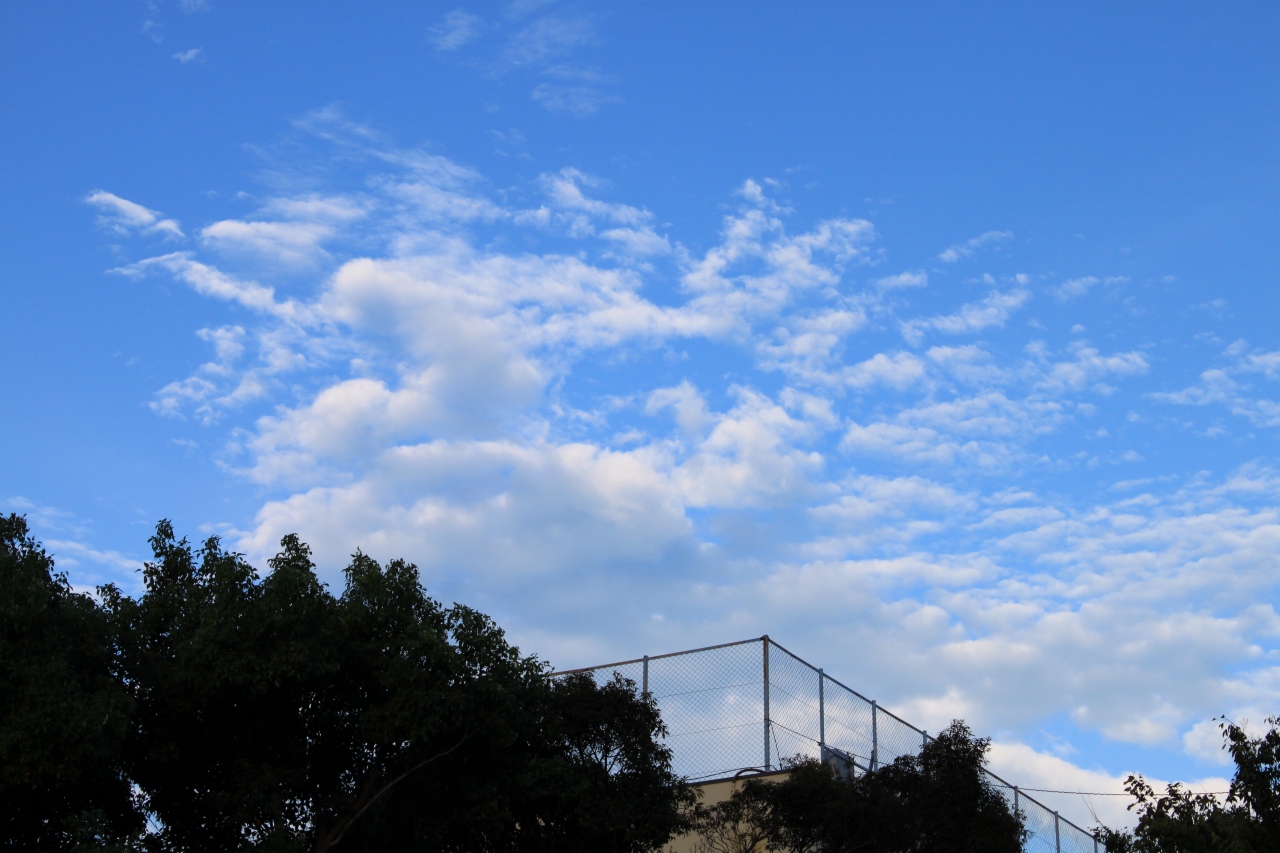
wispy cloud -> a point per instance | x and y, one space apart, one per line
543 48
969 247
548 40
1233 386
188 56
574 91
210 281
122 216
1077 287
458 29
911 278
992 311
549 391
1074 287
69 553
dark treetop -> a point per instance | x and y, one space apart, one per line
222 710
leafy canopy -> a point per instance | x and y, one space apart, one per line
939 800
64 712
1184 822
232 711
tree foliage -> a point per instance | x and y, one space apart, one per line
265 713
938 801
1181 821
63 712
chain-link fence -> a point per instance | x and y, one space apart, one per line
747 705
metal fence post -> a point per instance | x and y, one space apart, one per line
646 676
822 716
1095 842
1015 798
924 739
875 737
768 763
1057 838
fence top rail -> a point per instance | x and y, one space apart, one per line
1023 795
837 683
661 657
790 653
765 639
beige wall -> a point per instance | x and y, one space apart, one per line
715 791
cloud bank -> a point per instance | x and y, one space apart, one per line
619 443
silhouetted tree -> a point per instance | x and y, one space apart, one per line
267 714
1183 822
63 712
939 800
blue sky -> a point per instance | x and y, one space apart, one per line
937 342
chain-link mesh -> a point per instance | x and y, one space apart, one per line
751 705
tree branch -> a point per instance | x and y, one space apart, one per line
324 842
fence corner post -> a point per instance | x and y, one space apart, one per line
768 759
822 716
875 736
646 677
1057 836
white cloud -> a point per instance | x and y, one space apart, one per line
358 418
288 243
442 202
1088 367
1232 387
969 247
188 56
126 217
992 428
565 192
220 384
639 242
792 267
994 310
1074 287
542 47
576 91
749 458
618 444
548 39
458 28
66 538
896 371
452 305
210 281
911 278
809 348
545 46
970 364
689 407
576 100
477 503
1029 768
315 207
911 443
289 232
69 554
